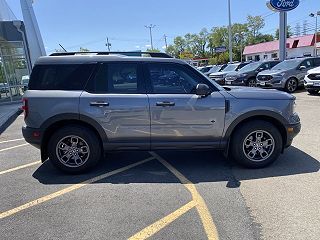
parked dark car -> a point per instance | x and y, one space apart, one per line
219 77
247 75
216 68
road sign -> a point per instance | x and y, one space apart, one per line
220 49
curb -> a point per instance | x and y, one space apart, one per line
10 120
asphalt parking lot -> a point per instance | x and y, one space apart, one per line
164 195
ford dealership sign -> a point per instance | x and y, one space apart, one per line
283 5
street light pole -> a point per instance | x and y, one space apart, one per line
150 30
315 15
230 33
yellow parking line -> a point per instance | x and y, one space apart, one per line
160 224
19 167
201 206
70 189
13 140
6 149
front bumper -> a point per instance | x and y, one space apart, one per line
292 131
276 82
32 136
236 82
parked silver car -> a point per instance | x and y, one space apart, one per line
287 75
77 107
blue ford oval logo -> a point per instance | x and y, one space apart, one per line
284 5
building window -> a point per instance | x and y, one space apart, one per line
250 58
257 57
274 55
265 56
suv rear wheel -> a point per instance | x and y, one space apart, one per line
256 144
74 149
291 85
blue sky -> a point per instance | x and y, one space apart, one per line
87 23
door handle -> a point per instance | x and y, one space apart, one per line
99 104
165 104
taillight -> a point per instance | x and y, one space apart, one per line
25 107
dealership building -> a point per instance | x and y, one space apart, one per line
302 46
20 45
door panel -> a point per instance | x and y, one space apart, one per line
116 98
191 119
125 118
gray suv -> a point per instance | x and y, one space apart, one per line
79 106
287 75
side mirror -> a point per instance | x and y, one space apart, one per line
301 68
202 90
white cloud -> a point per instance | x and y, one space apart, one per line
137 46
164 47
148 46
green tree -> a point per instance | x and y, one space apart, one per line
255 24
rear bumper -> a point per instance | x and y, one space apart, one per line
32 136
292 131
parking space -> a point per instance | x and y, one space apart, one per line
162 195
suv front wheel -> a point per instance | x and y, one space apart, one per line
291 85
256 144
74 149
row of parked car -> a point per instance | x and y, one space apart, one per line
288 75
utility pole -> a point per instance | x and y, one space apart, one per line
108 44
165 41
230 33
150 30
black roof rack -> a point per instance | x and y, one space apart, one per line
129 54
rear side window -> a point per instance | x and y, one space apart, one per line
317 62
68 77
117 78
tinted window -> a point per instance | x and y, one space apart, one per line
60 77
317 62
172 79
116 78
307 63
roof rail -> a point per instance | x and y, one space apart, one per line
129 54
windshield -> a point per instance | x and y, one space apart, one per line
231 67
214 69
288 64
250 67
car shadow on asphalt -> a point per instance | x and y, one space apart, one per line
197 166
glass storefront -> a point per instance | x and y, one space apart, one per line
14 70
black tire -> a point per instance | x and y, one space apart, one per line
238 146
291 85
87 142
313 92
252 82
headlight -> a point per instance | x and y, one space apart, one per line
243 75
280 75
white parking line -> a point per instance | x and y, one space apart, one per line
13 140
6 149
19 167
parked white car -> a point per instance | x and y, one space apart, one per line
312 81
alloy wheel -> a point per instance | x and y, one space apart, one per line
72 151
258 145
